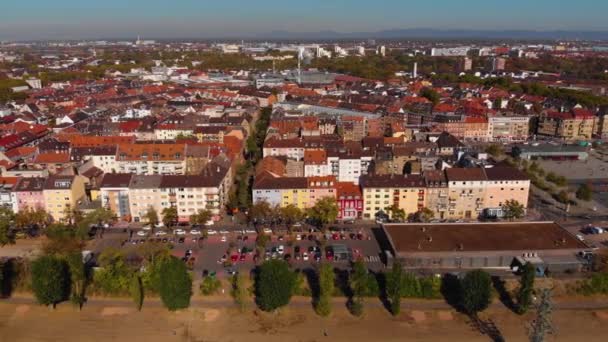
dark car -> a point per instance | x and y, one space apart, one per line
311 237
243 257
181 240
296 249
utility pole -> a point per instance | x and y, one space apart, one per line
542 324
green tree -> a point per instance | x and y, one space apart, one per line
422 215
50 280
201 218
324 211
260 212
290 214
136 290
358 282
393 288
476 290
563 197
151 216
326 289
397 214
6 218
63 240
28 217
78 278
274 285
431 95
584 192
494 150
512 209
169 216
175 284
239 291
526 288
114 274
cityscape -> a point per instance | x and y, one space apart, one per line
304 179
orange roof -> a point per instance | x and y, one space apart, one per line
9 180
272 165
475 119
317 157
348 189
322 182
151 151
94 141
51 157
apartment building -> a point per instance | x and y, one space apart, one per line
572 125
350 201
62 193
28 193
315 163
467 192
380 192
144 193
290 148
503 184
349 165
508 128
114 193
303 192
437 193
151 159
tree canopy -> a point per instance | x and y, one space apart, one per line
274 285
175 284
50 280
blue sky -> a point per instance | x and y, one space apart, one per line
39 19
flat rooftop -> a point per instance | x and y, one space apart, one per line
474 237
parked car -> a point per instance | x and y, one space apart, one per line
211 232
305 256
223 239
141 233
195 232
280 249
224 231
179 232
160 233
298 237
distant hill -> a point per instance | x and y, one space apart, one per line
440 33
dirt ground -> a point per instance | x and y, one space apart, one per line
35 323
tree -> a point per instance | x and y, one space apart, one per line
422 215
563 197
542 325
274 285
28 217
169 216
326 289
6 218
260 212
494 150
358 282
393 288
78 278
290 214
136 290
151 216
526 287
72 216
324 211
431 95
584 192
397 214
512 209
476 290
63 240
114 275
50 280
239 291
201 218
175 284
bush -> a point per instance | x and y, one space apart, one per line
597 284
326 289
175 284
274 285
114 275
356 307
420 287
50 280
584 192
210 286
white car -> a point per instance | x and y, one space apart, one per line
305 256
249 231
179 232
267 231
298 237
280 249
195 232
160 233
223 239
146 227
141 233
211 232
223 231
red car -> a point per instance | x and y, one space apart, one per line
242 257
234 257
329 255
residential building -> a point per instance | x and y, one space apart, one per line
572 125
508 128
380 192
505 183
437 193
350 201
151 159
467 192
62 193
114 193
28 193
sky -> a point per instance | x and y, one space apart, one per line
79 19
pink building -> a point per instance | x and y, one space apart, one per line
28 193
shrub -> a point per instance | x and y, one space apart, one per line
50 280
210 286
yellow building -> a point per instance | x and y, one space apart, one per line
61 193
380 192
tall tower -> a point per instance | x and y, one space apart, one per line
300 57
415 72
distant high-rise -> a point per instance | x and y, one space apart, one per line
467 64
415 71
498 63
382 51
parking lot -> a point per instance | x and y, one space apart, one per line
227 251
